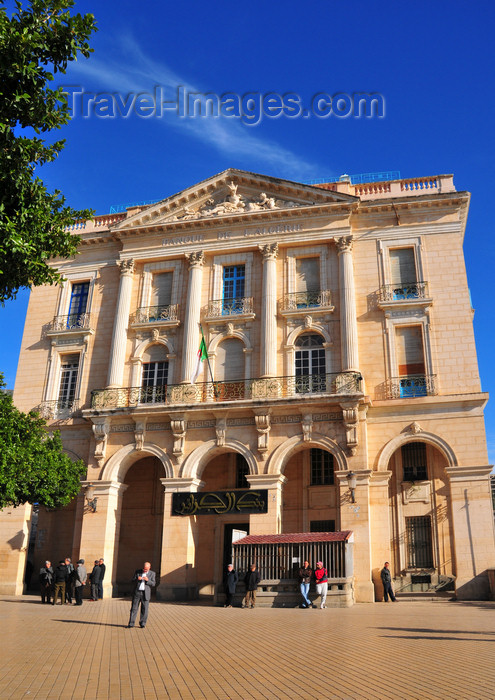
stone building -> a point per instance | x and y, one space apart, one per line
340 393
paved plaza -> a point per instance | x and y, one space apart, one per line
411 649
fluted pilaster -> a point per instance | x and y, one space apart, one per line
119 337
193 314
269 311
348 320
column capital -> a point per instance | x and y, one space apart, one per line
196 258
266 481
269 251
474 473
126 266
178 484
105 488
344 244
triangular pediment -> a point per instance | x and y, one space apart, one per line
233 193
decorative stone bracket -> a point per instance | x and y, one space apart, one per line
101 429
139 434
350 416
307 426
178 425
263 426
221 429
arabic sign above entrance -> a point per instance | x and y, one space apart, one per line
220 502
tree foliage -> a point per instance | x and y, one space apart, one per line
35 44
33 466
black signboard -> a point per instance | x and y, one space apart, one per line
220 502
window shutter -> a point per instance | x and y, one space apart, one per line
161 291
410 356
229 365
403 266
307 274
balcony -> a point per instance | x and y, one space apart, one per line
73 323
157 315
411 293
266 389
58 410
410 386
302 302
220 309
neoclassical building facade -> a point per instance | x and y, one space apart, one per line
336 390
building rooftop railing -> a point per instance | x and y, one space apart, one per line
342 383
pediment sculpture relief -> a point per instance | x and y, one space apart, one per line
235 203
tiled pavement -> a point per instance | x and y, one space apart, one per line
405 650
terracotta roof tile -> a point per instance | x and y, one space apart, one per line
296 537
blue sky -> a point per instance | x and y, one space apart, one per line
433 63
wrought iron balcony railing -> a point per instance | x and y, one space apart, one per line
342 383
230 307
404 292
50 410
305 300
410 386
72 322
155 314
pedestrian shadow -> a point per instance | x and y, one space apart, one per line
433 638
435 631
88 622
24 602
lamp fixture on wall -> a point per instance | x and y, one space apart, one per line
91 499
351 482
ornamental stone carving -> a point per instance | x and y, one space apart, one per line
221 430
234 203
263 426
126 266
344 244
307 427
350 416
415 428
196 259
101 429
139 433
269 251
178 425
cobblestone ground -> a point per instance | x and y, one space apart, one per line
404 650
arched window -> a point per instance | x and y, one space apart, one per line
310 366
414 462
155 375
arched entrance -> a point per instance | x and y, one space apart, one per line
141 521
422 547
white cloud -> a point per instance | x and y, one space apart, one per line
135 72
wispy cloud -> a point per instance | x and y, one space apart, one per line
136 72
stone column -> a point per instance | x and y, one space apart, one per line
356 517
119 338
267 523
348 321
472 517
381 536
193 315
269 311
101 529
178 571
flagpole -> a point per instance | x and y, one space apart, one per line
208 361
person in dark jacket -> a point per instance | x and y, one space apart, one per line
46 582
103 568
60 576
251 579
80 582
386 577
229 583
94 577
69 586
305 573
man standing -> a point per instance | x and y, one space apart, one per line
94 577
144 580
69 586
46 582
103 568
229 583
81 577
387 583
321 576
251 580
60 580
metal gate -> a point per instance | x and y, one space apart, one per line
419 542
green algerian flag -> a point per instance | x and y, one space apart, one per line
202 356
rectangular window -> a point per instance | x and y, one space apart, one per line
78 304
161 289
414 461
419 542
233 288
410 360
403 274
322 526
154 383
321 467
69 371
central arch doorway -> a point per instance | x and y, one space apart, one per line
141 522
